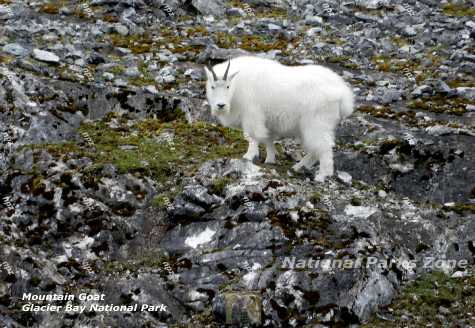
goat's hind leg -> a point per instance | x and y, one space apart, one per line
318 139
325 153
270 152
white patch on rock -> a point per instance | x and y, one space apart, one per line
194 296
344 177
201 238
45 56
252 275
403 168
360 211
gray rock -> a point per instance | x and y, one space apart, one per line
443 310
420 90
45 56
121 29
132 72
314 20
344 177
235 12
466 92
15 49
207 7
409 31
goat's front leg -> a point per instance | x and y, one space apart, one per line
252 149
255 128
270 150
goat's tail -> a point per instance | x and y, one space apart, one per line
346 103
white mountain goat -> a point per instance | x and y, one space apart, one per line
268 100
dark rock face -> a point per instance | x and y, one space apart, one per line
421 166
209 239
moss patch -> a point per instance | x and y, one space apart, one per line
441 104
172 39
452 9
218 185
419 69
461 208
253 43
420 300
51 8
6 59
138 149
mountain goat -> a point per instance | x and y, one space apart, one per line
268 100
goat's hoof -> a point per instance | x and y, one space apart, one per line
269 161
320 178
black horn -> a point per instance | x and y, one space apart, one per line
214 74
227 70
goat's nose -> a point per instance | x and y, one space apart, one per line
221 106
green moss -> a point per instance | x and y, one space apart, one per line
408 117
345 61
192 145
253 43
420 300
51 8
110 18
452 9
219 184
359 185
6 59
379 111
161 201
117 69
141 81
461 83
146 43
137 43
388 145
355 201
36 185
195 31
271 13
315 197
441 104
146 78
35 281
461 208
416 67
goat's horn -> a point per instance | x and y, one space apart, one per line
227 70
214 74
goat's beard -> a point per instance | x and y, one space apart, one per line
220 112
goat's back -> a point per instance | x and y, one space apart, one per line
276 87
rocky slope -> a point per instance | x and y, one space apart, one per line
114 179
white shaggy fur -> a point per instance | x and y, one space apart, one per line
269 101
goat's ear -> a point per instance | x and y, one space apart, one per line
230 78
209 75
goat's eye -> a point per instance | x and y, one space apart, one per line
227 87
212 88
